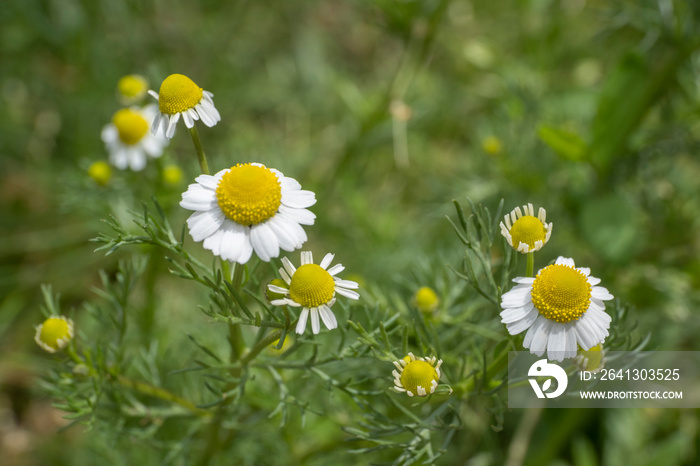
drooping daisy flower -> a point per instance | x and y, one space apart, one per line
54 334
128 140
526 233
132 88
560 308
180 96
313 287
416 376
248 208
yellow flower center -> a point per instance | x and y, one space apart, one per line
249 194
418 374
426 299
172 175
311 286
54 329
130 125
132 86
527 229
177 94
100 172
561 293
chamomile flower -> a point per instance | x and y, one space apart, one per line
313 287
54 333
526 233
592 360
180 96
132 88
100 172
416 376
248 208
129 140
426 300
560 308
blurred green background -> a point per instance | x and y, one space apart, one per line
388 110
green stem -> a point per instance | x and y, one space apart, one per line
234 330
200 151
494 368
530 264
157 392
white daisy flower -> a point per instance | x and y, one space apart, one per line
248 208
180 96
560 308
313 287
129 140
416 376
54 333
526 233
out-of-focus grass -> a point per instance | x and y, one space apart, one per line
309 87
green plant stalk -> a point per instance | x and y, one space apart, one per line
203 165
496 366
530 264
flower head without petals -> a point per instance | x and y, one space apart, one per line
54 333
416 376
561 308
179 97
526 233
247 208
313 288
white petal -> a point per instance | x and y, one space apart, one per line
234 242
204 223
300 199
293 228
315 324
347 293
301 325
524 280
336 269
349 284
198 197
137 160
189 122
561 260
584 270
513 314
307 258
209 181
286 237
601 293
328 317
264 241
288 184
278 289
327 259
288 266
301 216
537 336
171 125
593 280
559 344
517 326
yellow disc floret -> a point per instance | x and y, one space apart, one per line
528 229
55 333
419 374
426 299
311 286
177 94
561 293
130 125
249 194
100 172
132 86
